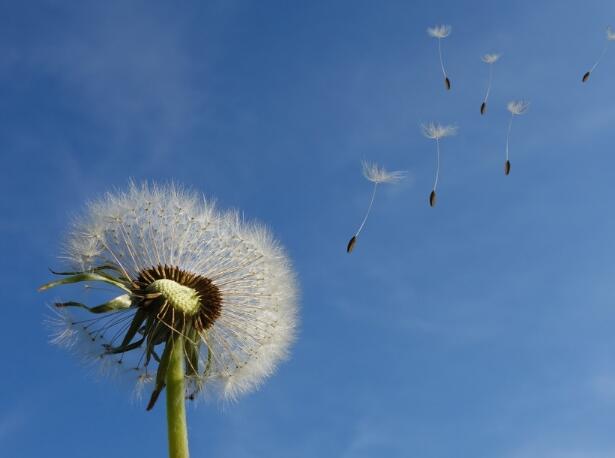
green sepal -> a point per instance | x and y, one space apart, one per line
93 269
99 269
119 303
124 348
207 369
155 336
161 374
134 327
86 277
191 348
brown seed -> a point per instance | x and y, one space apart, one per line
447 83
432 199
483 108
507 168
586 77
351 243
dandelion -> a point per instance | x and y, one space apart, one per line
437 132
489 59
207 303
376 175
440 32
516 108
610 36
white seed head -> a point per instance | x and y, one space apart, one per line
518 107
435 131
376 174
151 225
439 31
610 33
491 58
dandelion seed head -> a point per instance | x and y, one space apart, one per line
610 33
223 284
491 58
518 107
439 31
435 131
377 174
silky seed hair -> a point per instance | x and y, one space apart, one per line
440 32
610 36
184 269
516 108
489 59
436 131
377 175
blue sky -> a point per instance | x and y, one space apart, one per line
480 328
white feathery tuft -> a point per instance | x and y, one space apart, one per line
151 225
610 33
518 107
439 31
435 131
377 174
491 58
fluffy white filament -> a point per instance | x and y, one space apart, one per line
376 174
439 31
436 131
163 225
517 107
490 58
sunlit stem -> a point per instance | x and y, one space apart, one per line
489 85
435 183
440 54
176 404
508 135
369 209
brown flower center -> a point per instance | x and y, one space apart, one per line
178 291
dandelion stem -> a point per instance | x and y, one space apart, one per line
176 404
435 183
508 135
369 209
440 54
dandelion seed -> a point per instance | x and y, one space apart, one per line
610 36
376 175
516 108
489 59
208 302
440 32
437 132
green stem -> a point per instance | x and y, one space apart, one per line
176 404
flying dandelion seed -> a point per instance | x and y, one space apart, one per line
489 59
516 108
440 32
376 175
610 36
437 132
208 302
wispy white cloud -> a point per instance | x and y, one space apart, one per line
558 451
369 437
129 70
11 422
